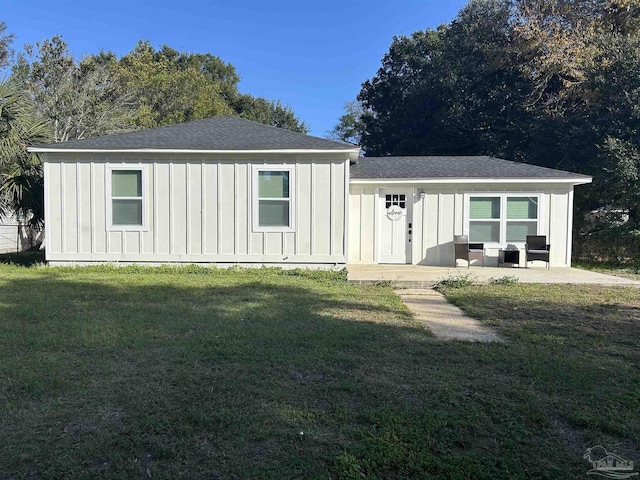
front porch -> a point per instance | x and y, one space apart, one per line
419 276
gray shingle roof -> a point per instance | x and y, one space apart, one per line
217 133
452 167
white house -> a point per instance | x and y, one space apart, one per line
226 190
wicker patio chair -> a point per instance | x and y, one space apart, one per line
536 248
467 251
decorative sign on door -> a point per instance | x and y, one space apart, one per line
394 212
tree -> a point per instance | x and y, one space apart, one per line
560 44
549 82
172 87
541 81
622 163
349 127
449 91
268 112
402 102
616 120
80 99
6 39
21 186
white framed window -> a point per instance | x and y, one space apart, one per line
521 219
273 198
126 200
502 218
484 219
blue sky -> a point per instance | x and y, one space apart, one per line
312 56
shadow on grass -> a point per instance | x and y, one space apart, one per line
188 376
27 258
252 375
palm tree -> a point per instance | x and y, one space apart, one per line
21 185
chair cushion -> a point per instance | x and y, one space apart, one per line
538 251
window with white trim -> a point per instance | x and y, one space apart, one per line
273 199
126 202
484 219
522 218
504 218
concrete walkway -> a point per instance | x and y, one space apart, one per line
446 321
419 276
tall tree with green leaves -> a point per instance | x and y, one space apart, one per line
616 119
550 82
504 77
6 39
171 87
21 186
269 112
79 99
145 88
349 126
449 91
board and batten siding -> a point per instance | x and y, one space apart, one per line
198 209
440 215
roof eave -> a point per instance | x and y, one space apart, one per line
187 151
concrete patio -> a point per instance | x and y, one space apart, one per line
419 276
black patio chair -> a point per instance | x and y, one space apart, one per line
467 251
536 248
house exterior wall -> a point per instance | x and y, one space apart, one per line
440 215
198 208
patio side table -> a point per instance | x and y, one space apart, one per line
508 257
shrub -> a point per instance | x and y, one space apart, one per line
616 245
459 280
506 280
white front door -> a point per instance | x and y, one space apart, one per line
395 225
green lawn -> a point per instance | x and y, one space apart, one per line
627 271
195 373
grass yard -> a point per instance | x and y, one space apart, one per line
627 271
195 373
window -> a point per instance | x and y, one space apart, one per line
400 200
127 199
502 218
522 218
273 199
484 219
